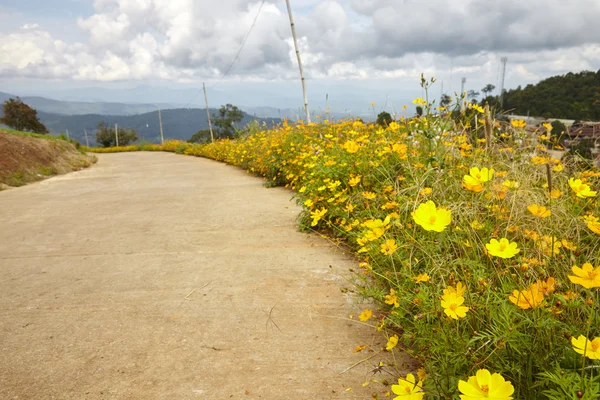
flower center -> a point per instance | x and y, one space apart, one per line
485 388
502 246
592 275
453 306
407 389
432 220
478 176
595 345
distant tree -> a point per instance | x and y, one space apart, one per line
472 95
384 119
445 100
558 128
225 122
488 89
21 117
105 135
202 136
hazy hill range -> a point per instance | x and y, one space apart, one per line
83 107
179 123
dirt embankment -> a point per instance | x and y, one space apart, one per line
25 159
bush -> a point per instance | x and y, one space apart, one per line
105 136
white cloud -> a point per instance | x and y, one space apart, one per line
191 40
30 26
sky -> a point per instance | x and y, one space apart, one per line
354 52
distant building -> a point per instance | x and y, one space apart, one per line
536 121
585 130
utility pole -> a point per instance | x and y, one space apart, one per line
212 138
87 142
117 135
162 139
503 60
299 60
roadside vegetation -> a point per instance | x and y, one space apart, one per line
28 157
480 248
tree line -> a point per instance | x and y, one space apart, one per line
180 124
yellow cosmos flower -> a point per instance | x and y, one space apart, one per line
351 146
476 107
558 168
532 297
594 227
408 388
477 176
426 191
392 342
354 181
539 211
431 218
486 386
453 306
377 223
518 123
581 189
419 101
586 276
421 278
555 194
477 225
374 234
369 195
510 184
459 290
502 248
317 215
547 287
391 298
389 247
589 348
365 315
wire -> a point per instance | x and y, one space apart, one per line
244 41
237 54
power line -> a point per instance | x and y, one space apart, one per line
244 41
237 54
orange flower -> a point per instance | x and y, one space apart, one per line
529 298
539 211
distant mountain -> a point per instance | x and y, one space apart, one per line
178 124
83 107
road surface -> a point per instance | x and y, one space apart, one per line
158 276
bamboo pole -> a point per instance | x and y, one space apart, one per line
162 139
212 139
299 60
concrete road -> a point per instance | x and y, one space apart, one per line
158 276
